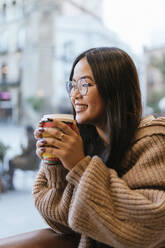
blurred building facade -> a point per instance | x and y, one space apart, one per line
155 77
39 40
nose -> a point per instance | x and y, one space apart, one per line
76 93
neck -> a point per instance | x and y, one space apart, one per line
103 135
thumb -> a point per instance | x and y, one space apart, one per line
75 127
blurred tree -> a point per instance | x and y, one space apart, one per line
154 98
161 66
37 103
3 150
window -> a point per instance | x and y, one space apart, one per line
4 43
21 39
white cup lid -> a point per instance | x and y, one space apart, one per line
60 117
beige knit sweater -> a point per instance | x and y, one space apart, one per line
91 199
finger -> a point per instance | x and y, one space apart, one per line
41 143
75 127
51 142
53 132
38 132
40 151
63 127
41 123
51 150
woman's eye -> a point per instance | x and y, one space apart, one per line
85 84
88 84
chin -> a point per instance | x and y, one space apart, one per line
80 119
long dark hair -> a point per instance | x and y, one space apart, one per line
117 81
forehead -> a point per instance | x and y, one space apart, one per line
82 68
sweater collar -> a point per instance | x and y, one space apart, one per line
145 121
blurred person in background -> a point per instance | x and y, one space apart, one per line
27 160
110 187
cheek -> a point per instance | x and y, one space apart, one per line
96 108
97 103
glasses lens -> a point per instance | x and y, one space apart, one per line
70 87
83 87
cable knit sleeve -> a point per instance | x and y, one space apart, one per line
52 196
122 212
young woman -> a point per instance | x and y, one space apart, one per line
110 187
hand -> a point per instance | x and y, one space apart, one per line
66 143
38 136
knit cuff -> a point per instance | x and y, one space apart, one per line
55 175
75 174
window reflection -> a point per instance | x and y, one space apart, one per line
38 42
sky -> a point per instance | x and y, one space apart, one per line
137 22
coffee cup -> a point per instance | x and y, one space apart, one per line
47 121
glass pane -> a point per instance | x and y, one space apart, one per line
39 41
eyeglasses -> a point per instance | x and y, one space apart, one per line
82 85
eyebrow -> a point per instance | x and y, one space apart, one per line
83 77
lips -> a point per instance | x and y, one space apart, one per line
80 107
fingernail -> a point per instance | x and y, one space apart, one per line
41 123
42 141
41 129
42 149
49 119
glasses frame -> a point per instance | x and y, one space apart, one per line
78 85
